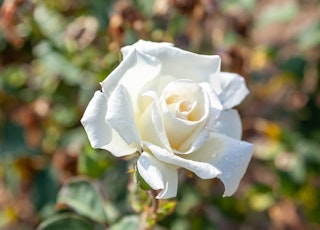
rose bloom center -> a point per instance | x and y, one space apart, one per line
185 109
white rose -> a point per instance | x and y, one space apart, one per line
174 108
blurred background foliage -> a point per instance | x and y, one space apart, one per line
53 54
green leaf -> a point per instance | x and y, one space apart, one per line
45 188
82 197
92 163
127 223
13 143
68 221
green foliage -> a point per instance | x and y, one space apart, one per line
127 223
68 221
275 13
83 198
93 163
13 142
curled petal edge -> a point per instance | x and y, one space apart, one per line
158 175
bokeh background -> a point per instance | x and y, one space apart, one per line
54 53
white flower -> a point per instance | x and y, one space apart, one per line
175 108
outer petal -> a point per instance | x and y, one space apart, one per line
120 116
202 169
229 155
100 134
143 45
230 87
158 175
134 72
178 62
229 124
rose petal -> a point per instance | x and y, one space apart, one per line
215 105
120 116
142 45
202 169
158 175
228 155
152 89
195 142
100 134
134 72
151 125
178 130
187 130
230 87
198 141
185 99
229 124
178 62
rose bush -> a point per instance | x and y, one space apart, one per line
174 108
